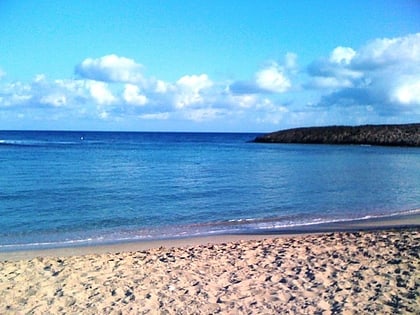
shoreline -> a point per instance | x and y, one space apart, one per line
394 222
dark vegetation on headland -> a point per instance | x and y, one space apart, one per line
386 135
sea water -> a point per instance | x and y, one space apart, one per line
86 188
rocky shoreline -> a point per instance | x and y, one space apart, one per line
385 135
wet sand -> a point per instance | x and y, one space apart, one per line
410 220
356 272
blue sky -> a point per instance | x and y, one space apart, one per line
207 65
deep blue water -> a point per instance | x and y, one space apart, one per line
67 188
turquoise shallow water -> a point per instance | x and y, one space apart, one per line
75 188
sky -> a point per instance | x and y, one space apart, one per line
222 66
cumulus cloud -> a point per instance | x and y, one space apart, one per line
244 100
162 87
190 89
269 112
407 93
112 88
133 96
342 55
334 72
56 100
380 79
273 78
110 68
100 92
15 94
386 52
383 75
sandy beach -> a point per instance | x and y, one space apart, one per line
374 272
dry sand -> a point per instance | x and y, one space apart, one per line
332 273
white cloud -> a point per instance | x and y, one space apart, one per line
334 72
407 93
203 114
39 78
162 87
245 100
155 116
15 94
331 82
71 88
133 96
342 55
104 115
56 100
381 79
383 75
194 83
267 105
17 99
190 89
387 51
2 73
110 68
272 79
100 92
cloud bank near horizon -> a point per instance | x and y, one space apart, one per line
380 81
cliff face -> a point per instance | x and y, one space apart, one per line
390 135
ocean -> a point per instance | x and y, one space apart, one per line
62 189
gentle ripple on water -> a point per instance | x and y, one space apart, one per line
66 187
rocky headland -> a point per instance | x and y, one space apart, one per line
386 135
